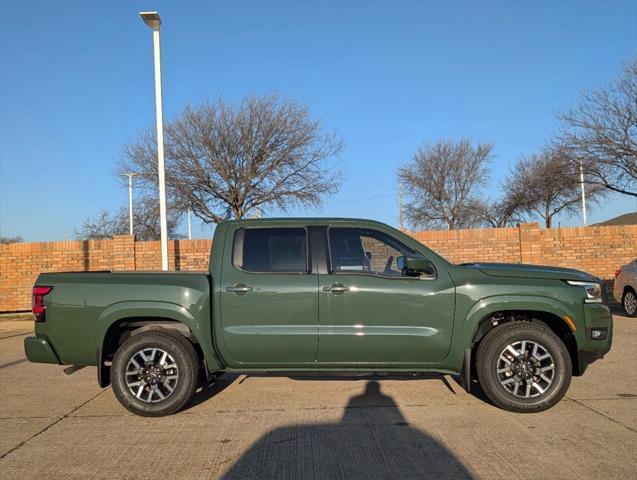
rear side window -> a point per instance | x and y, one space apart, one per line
273 250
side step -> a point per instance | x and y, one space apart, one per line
72 369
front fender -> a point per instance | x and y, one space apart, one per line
199 327
468 325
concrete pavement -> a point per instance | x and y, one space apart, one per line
266 426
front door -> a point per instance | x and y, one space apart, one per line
269 298
371 313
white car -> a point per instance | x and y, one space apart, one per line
625 289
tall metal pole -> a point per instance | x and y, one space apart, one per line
189 226
153 21
400 205
130 176
581 181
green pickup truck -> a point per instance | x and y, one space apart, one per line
328 295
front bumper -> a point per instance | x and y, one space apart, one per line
39 350
597 316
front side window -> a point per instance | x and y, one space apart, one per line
361 250
271 250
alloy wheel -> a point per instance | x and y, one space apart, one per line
525 369
630 302
151 375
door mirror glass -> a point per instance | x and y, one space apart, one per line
400 263
418 265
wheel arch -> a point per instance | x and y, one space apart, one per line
556 324
493 311
120 321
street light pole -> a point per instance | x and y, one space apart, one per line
189 226
154 22
400 206
130 176
581 181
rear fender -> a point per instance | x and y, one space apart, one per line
198 328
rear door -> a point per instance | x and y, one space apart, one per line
269 298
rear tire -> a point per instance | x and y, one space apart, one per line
629 302
523 367
155 373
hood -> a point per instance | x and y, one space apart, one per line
518 270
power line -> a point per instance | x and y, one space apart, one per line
361 199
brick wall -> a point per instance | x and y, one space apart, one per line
598 250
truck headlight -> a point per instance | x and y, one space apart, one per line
593 290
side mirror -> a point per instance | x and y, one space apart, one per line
418 265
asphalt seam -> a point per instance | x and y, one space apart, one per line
16 335
600 413
285 410
14 362
51 425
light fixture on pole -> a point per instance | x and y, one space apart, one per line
154 22
130 176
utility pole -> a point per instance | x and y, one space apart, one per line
189 225
154 22
130 176
581 181
400 206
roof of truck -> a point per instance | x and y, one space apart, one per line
302 220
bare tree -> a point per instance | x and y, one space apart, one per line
544 184
101 227
601 133
8 240
504 212
225 160
145 222
443 183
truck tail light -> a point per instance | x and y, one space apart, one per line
38 308
617 272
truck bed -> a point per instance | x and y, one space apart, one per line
83 304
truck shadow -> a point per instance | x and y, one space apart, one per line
455 386
210 389
372 440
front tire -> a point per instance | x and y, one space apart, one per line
629 302
155 373
523 367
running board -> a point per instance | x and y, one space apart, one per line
72 369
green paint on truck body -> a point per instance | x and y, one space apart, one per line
292 321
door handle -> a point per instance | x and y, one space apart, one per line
336 288
239 289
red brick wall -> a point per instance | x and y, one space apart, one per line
20 263
598 250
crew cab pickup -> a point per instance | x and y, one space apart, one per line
328 295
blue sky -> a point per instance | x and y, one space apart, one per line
76 83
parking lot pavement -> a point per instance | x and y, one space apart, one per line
266 426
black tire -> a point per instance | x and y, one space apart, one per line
629 302
187 363
488 359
